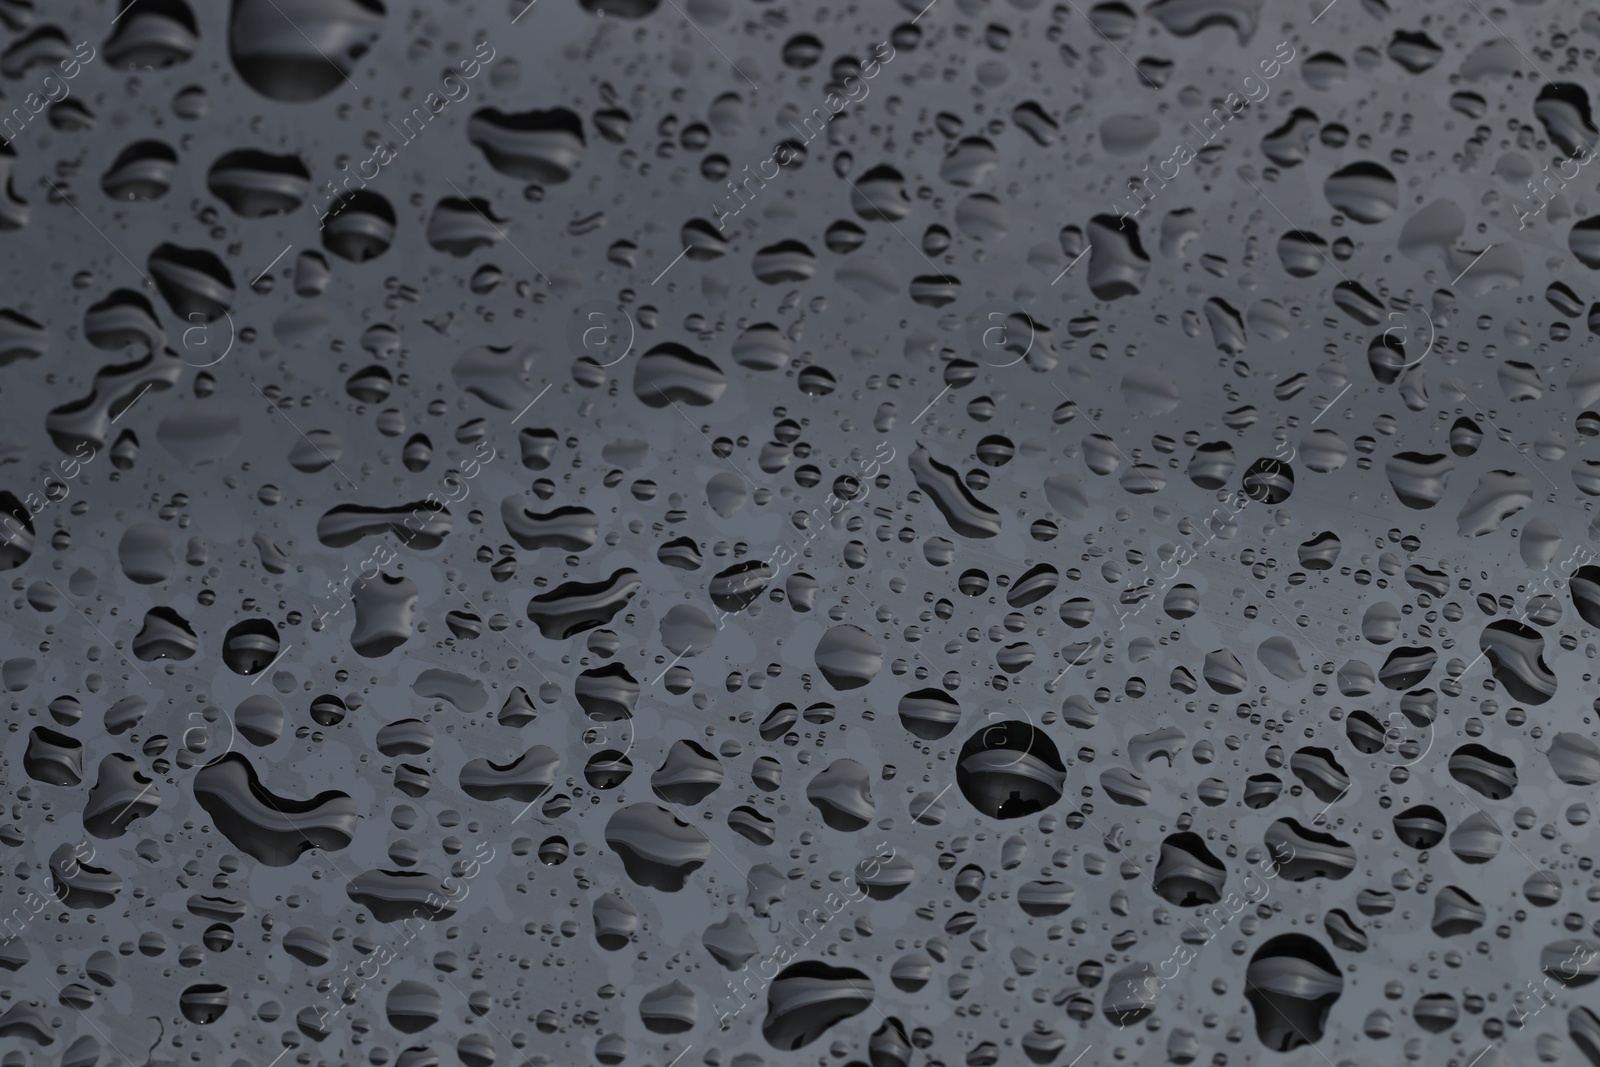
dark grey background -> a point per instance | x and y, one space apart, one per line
1096 579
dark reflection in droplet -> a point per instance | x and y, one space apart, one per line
808 998
1010 770
165 635
657 849
358 226
250 646
539 146
1292 983
1188 874
301 50
255 184
203 1003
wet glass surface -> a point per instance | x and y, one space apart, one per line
744 534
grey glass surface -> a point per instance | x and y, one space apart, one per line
746 534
